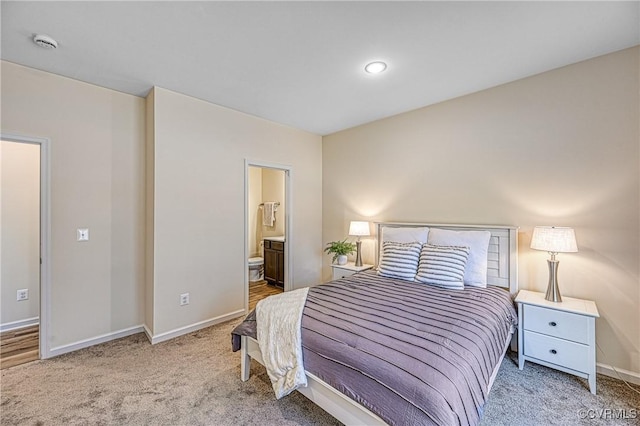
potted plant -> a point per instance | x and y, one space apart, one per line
340 250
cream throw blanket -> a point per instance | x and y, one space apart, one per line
278 320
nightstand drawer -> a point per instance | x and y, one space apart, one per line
342 273
557 351
563 325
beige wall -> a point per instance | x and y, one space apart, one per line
20 230
182 186
200 150
559 148
97 181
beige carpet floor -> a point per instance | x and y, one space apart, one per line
194 380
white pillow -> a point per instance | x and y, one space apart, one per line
400 260
442 266
402 235
475 272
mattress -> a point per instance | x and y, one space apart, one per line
411 353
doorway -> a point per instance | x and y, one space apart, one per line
24 240
267 230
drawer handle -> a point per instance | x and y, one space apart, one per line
553 351
553 324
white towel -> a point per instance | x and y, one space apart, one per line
268 213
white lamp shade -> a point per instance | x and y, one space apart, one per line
358 228
554 239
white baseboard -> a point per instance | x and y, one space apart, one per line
141 329
94 341
19 324
190 328
626 375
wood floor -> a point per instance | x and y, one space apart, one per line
19 346
259 290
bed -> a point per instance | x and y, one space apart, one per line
384 350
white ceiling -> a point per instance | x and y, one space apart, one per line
301 63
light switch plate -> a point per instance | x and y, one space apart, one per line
83 234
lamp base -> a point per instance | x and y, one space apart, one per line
553 291
358 253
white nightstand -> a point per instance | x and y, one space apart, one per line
342 271
558 335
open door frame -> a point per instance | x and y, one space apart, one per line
288 255
45 235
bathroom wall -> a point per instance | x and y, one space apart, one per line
264 185
273 189
255 198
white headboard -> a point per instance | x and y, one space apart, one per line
502 267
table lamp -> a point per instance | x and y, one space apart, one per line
359 229
554 239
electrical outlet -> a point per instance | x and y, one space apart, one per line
184 299
23 294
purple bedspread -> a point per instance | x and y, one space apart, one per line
411 353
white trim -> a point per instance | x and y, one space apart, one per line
288 229
45 236
190 328
14 325
288 223
629 376
95 340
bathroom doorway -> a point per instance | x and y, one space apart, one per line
267 230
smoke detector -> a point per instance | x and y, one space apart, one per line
45 41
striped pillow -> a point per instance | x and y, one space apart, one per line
443 266
399 260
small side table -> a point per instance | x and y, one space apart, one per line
342 271
558 335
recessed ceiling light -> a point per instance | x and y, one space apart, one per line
375 67
45 41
